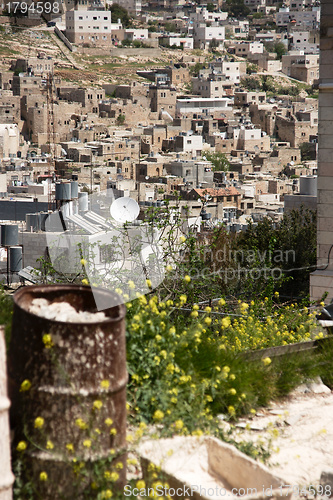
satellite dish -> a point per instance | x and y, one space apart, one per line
124 210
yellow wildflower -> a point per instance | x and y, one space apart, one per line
70 447
43 476
22 446
97 405
105 384
226 322
187 278
25 386
87 443
85 281
158 415
106 494
231 410
81 424
267 361
47 341
140 484
49 445
39 422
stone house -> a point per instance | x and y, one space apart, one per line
10 108
89 98
163 98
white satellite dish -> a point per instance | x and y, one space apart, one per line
124 210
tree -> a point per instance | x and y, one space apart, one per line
119 12
251 83
210 7
236 8
194 70
308 151
219 160
213 45
289 246
278 47
120 119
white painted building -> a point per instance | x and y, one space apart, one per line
9 140
202 15
203 35
305 41
201 106
232 70
180 41
136 34
90 26
187 142
242 49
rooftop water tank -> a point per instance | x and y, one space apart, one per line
308 185
63 191
9 235
15 259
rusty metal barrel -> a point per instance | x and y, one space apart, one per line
6 476
78 376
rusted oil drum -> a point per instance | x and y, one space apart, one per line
78 377
6 476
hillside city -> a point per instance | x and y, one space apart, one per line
213 106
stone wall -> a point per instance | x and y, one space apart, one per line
321 280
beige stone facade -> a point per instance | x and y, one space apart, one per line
321 281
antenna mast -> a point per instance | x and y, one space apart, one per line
50 136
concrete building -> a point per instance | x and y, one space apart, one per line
212 86
300 17
304 41
255 5
195 173
133 7
245 98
